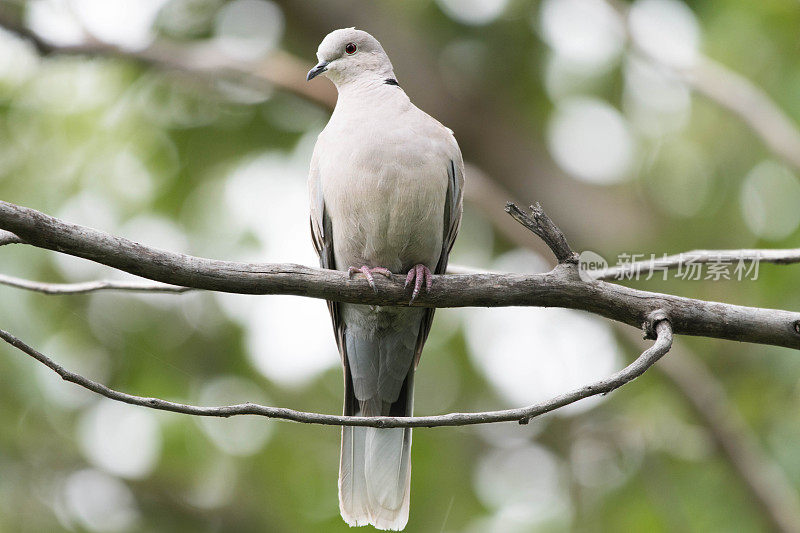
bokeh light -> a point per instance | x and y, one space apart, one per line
532 354
121 439
248 29
770 198
586 33
125 24
525 486
79 356
239 435
591 141
275 325
55 21
99 502
473 12
666 30
656 102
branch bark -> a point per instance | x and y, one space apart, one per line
561 287
658 323
540 224
6 237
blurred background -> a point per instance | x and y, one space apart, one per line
657 126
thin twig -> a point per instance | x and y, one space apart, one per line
522 415
89 286
667 262
541 224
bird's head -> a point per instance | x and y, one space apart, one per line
348 55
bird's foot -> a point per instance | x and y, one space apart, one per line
419 275
368 271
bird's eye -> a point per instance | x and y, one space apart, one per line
350 48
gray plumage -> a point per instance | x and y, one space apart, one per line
385 185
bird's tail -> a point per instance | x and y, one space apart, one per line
375 470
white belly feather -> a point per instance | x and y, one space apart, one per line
387 209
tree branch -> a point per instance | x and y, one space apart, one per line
662 344
561 287
779 257
84 287
540 224
202 58
89 286
6 237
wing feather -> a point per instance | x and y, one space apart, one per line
322 237
454 206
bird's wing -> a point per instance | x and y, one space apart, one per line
322 236
454 206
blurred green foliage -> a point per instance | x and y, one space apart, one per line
209 167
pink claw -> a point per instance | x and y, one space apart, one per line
367 271
419 274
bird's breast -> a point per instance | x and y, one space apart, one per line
385 199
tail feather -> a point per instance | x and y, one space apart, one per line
375 465
353 503
375 477
386 466
375 469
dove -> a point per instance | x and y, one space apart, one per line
385 186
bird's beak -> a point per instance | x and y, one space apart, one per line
321 67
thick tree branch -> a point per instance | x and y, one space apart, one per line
84 287
663 341
561 287
626 271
